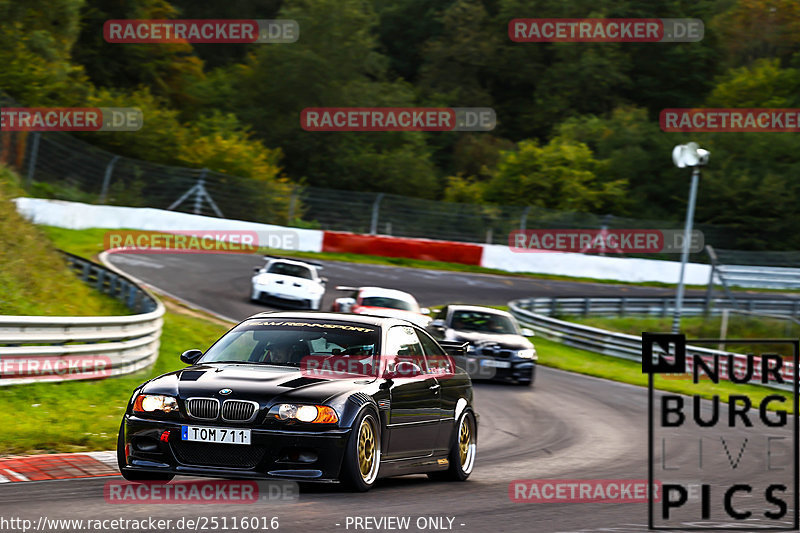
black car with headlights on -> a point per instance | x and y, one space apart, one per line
497 347
306 396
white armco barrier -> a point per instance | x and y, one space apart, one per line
592 266
73 215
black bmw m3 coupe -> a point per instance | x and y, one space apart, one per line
306 396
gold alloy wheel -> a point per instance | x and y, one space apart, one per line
368 450
466 444
463 442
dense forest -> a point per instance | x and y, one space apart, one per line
577 124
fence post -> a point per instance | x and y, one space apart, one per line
34 156
524 219
376 206
292 205
107 178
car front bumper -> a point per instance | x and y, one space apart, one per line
481 367
272 453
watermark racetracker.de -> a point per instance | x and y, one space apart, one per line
201 492
742 120
606 30
55 367
326 119
70 119
228 31
629 241
198 241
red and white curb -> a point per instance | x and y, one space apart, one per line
58 466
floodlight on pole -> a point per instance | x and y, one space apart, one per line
687 155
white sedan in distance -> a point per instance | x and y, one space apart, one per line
287 282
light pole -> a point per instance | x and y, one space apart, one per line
687 155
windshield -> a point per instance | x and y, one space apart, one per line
390 303
288 269
483 322
287 342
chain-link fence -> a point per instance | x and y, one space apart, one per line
61 166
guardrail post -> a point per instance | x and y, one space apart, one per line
100 280
553 306
664 304
796 308
587 306
622 306
131 296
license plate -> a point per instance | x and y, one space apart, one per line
218 435
494 363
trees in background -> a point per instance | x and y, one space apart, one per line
577 123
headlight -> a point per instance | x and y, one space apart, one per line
150 403
315 414
527 354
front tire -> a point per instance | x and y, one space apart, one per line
462 451
362 458
136 477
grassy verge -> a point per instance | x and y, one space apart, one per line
557 355
34 278
739 326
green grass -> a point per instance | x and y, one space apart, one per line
85 415
557 355
34 278
739 326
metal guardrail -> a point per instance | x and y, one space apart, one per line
657 306
606 342
130 343
760 276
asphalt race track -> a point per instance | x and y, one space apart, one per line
566 427
221 282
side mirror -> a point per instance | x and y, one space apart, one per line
190 357
405 369
256 269
425 311
324 280
527 332
439 324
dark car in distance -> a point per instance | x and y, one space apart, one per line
497 347
252 406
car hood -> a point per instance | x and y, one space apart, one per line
265 384
511 342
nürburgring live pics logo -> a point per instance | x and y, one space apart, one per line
740 460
